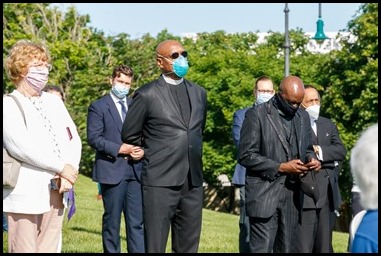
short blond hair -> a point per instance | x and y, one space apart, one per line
20 55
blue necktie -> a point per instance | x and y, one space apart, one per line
124 110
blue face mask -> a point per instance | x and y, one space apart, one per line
262 98
180 66
120 90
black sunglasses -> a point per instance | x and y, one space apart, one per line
175 55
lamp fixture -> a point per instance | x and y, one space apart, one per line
320 36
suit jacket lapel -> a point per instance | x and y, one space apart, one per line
299 126
320 131
114 112
192 100
275 121
129 100
314 137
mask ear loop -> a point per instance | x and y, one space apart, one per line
161 56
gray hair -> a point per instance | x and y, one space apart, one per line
364 166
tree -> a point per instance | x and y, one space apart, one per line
350 81
80 56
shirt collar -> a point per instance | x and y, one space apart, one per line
116 99
172 81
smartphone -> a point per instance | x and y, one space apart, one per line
54 184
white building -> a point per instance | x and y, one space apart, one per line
333 43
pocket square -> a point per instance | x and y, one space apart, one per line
327 134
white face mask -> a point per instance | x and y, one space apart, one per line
313 111
262 97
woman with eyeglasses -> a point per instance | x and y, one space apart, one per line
167 117
42 135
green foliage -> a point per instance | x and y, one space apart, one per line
350 81
80 58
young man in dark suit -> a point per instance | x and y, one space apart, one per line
167 117
117 167
318 219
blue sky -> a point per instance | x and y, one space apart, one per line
137 19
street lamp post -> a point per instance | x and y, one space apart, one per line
286 43
319 37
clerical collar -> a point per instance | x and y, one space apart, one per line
172 81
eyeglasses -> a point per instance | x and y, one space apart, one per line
265 91
41 66
175 55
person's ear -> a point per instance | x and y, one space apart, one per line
159 62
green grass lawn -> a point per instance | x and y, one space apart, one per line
83 232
